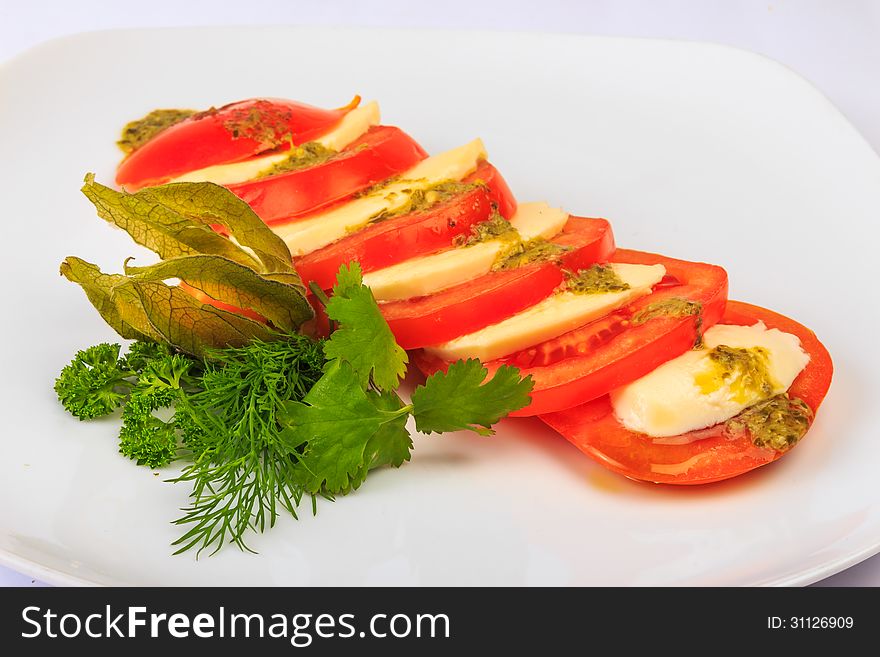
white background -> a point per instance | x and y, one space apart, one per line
834 44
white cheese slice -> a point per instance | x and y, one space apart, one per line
429 274
352 126
306 235
550 318
670 401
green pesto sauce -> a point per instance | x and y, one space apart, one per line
597 279
515 252
673 307
300 157
378 187
261 121
137 133
419 200
777 423
496 227
744 371
526 253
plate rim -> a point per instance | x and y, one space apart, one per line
800 577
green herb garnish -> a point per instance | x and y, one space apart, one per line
261 415
95 383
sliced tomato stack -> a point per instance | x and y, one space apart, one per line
446 272
394 240
603 354
497 295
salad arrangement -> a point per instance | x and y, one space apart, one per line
303 252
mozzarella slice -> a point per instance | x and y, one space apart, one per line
550 318
306 235
352 126
685 393
429 274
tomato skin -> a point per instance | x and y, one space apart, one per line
470 306
407 236
499 191
590 240
378 154
495 296
698 457
203 140
592 360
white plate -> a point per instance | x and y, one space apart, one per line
694 150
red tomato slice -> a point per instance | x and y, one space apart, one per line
378 154
232 133
419 233
498 295
698 457
592 360
499 192
470 306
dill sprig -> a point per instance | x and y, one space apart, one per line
242 472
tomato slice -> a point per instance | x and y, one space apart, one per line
592 360
231 133
419 233
498 295
499 192
697 457
470 306
378 154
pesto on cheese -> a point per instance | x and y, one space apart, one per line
421 199
522 253
300 157
495 227
745 371
598 279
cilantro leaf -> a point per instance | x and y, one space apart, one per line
363 338
392 444
333 425
459 398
